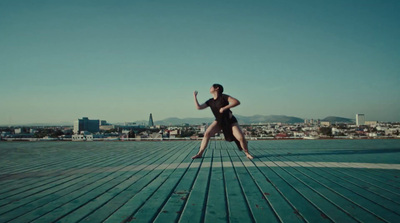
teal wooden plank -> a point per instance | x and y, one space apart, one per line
377 205
63 169
29 196
337 185
237 205
31 206
46 205
351 192
387 188
139 198
46 199
29 177
365 194
324 187
38 184
86 150
49 161
216 207
385 178
375 192
390 176
34 189
349 157
87 202
151 208
195 205
32 163
367 176
302 206
272 194
259 207
174 206
324 190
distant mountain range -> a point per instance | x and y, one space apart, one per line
246 120
268 119
334 119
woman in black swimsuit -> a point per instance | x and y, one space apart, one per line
220 105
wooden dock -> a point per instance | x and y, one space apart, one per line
159 182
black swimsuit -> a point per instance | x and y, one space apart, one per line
224 120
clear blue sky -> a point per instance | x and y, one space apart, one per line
121 60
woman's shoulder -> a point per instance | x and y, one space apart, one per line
225 96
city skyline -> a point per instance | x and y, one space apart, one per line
122 60
243 120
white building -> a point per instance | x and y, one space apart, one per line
336 131
371 123
325 124
174 133
298 134
82 137
203 128
360 119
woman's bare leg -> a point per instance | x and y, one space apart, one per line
210 132
237 132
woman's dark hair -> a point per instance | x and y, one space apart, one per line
220 88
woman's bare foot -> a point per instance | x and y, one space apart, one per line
249 156
196 156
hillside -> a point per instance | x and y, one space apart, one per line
334 119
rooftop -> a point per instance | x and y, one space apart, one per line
288 181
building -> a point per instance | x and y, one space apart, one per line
360 119
203 128
309 121
82 138
371 123
107 127
174 133
85 124
151 123
104 126
325 124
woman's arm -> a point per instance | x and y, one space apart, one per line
233 102
196 102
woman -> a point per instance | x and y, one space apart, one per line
220 105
